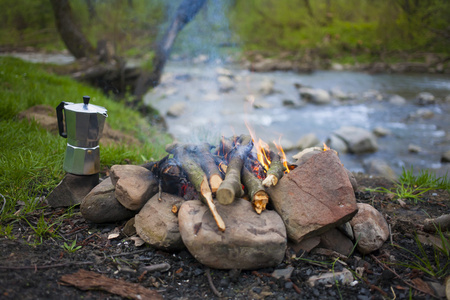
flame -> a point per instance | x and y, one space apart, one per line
325 147
283 157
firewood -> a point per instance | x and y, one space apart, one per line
208 164
204 157
275 172
199 180
231 186
256 191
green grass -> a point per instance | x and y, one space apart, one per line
412 187
31 158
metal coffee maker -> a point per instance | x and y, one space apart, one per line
83 129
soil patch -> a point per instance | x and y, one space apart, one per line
31 269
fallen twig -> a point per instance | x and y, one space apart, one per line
383 265
34 267
211 284
87 280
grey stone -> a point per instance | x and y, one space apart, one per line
306 244
157 225
380 167
336 143
352 179
72 189
397 100
266 87
414 148
283 273
135 185
101 205
358 140
304 155
314 197
177 109
346 229
250 241
445 157
370 228
316 96
344 277
336 241
425 98
381 131
225 84
307 141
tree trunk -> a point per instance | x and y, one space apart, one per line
73 38
184 14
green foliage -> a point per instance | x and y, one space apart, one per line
412 187
339 28
438 265
32 158
43 229
72 247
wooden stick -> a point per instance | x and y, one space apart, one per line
231 186
198 179
275 172
256 192
206 160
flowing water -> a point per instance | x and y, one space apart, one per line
209 113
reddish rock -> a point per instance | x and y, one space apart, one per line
314 197
370 228
135 185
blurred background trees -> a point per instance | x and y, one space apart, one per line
328 28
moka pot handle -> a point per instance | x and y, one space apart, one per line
59 116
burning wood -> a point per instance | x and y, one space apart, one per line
256 191
198 179
231 187
275 172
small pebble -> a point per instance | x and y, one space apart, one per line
257 290
288 285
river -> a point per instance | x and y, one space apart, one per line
208 113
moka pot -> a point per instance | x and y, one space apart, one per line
83 129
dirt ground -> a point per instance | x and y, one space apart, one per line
41 271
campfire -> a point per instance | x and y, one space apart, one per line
236 168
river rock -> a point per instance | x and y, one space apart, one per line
266 87
357 139
425 98
314 197
250 241
134 185
381 131
316 96
380 167
445 157
397 100
336 143
101 205
176 110
307 141
225 83
157 224
370 228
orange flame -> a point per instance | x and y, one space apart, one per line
325 147
283 157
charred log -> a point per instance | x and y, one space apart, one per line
199 180
275 172
231 187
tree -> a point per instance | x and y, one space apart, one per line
73 38
112 68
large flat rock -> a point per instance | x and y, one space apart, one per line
250 241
